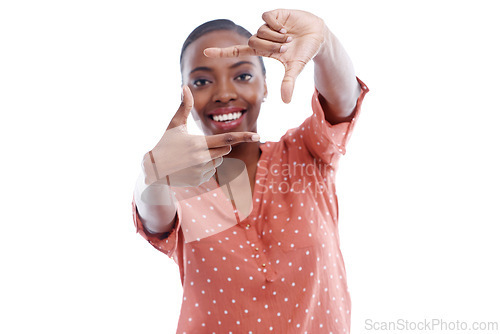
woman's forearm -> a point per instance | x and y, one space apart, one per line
335 79
156 205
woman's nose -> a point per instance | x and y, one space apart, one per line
225 92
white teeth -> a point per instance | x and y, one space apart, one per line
226 117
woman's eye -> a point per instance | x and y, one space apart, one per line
200 82
244 77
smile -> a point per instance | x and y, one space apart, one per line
227 117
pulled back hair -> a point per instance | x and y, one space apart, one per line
216 25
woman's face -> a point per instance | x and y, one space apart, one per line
223 87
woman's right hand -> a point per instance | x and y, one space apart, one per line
188 160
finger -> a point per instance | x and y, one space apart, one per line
265 32
231 51
217 162
219 152
207 155
182 113
264 47
271 18
231 138
291 73
208 174
212 164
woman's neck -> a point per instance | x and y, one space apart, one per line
249 153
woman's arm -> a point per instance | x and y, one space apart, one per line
156 205
335 80
294 38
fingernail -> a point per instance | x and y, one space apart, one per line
255 137
289 39
283 48
283 31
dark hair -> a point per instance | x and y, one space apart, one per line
216 25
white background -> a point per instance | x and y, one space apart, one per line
87 87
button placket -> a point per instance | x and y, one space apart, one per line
260 257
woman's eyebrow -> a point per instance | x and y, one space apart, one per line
243 62
201 68
208 69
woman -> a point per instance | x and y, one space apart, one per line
258 250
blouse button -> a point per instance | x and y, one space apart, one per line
263 264
248 226
256 248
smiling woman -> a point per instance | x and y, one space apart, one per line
222 86
257 249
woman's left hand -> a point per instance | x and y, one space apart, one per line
293 37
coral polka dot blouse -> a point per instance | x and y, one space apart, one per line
279 269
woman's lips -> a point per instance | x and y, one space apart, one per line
227 125
227 110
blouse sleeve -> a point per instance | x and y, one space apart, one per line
164 242
324 140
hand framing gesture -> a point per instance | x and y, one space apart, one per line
293 37
189 160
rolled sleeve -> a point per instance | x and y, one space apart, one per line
324 140
164 242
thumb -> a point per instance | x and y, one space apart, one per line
182 114
292 71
